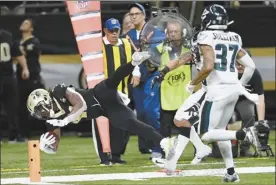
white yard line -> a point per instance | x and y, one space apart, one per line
136 176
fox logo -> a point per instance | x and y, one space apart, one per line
177 78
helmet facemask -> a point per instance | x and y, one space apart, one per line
43 111
40 104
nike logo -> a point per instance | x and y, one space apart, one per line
157 162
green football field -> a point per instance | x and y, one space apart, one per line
77 163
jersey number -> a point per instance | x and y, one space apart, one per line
222 66
5 52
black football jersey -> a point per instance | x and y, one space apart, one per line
62 106
8 50
31 49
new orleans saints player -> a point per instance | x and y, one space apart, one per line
102 100
8 90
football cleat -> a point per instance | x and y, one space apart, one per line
231 178
160 162
201 154
252 137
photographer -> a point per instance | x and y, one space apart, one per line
246 108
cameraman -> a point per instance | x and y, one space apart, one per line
246 108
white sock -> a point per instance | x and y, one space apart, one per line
226 152
219 135
194 138
181 145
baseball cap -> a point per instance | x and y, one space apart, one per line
137 5
112 23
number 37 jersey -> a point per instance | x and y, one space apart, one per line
226 46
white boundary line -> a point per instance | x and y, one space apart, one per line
61 170
84 168
136 176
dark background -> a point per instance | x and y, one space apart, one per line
255 25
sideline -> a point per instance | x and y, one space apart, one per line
137 176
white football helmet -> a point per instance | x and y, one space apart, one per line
40 104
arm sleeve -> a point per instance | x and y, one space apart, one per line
249 69
257 83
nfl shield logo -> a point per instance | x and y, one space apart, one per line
82 4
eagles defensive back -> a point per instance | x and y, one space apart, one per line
220 48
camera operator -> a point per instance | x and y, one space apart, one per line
246 108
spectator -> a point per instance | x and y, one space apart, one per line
127 24
138 15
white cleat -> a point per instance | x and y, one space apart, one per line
231 178
201 154
252 137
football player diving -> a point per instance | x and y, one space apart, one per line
66 104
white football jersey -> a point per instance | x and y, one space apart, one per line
226 46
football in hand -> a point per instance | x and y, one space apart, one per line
53 146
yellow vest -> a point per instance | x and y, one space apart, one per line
115 53
173 92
